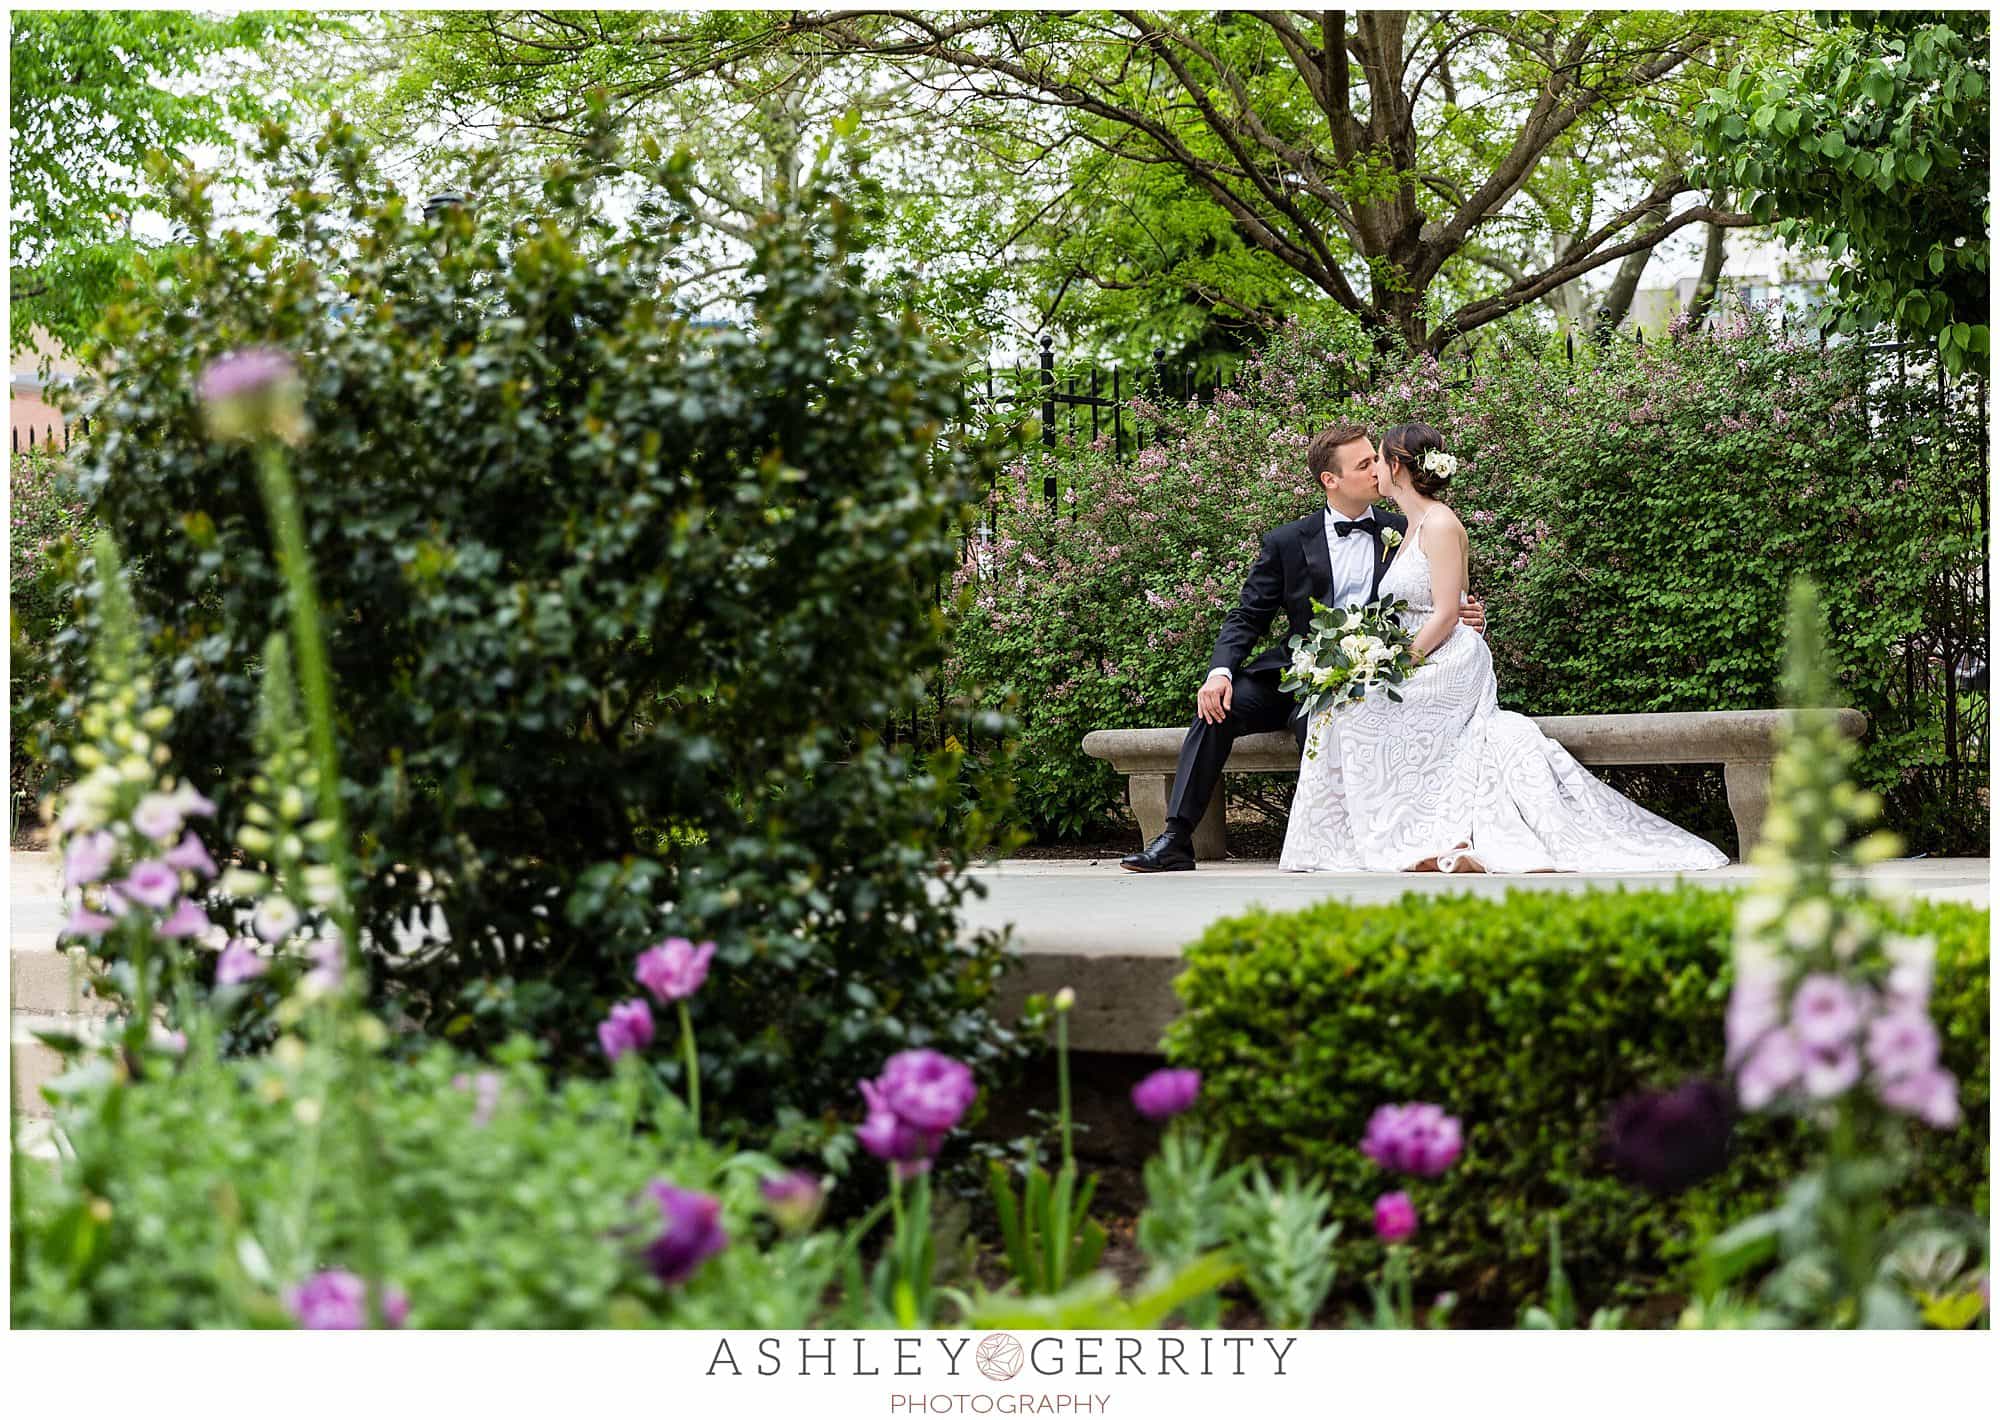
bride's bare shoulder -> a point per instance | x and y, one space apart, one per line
1444 522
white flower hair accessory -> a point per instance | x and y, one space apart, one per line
1440 465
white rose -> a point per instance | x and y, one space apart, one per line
1302 662
1355 648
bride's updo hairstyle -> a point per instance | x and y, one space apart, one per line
1407 444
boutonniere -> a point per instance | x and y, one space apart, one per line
1390 537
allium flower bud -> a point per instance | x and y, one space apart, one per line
249 394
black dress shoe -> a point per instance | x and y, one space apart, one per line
1169 853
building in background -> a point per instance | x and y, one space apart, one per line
36 373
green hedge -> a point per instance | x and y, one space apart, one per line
1528 1017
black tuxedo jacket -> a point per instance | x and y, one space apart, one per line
1291 569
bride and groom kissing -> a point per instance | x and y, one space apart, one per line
1442 780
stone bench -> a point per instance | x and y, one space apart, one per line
1743 742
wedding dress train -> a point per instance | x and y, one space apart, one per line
1447 777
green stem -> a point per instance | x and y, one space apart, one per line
316 687
693 1072
1062 1080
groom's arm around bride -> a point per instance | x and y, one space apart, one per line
1337 555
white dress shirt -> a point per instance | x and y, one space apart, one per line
1352 559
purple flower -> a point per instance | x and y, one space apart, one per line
85 923
252 392
89 858
926 1090
1166 1093
186 920
893 1139
337 1300
1395 1217
690 1231
1825 1011
1902 1043
794 1198
1414 1138
157 816
1668 1140
629 1027
675 969
152 883
238 963
1931 1095
1830 1070
190 801
1772 1066
189 856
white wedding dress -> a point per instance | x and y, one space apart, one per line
1448 775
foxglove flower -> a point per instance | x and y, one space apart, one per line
1830 1070
238 963
157 817
1669 1140
1930 1095
89 857
275 919
337 1300
188 800
1166 1093
85 923
675 969
926 1090
329 965
1901 1043
189 856
1772 1068
1826 1011
152 884
629 1027
1395 1217
186 920
690 1231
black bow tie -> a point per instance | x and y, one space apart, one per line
1367 525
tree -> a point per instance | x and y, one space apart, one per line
1875 147
1181 170
93 92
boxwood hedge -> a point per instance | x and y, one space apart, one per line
1528 1017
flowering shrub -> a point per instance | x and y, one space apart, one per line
1635 519
1533 1015
46 522
617 610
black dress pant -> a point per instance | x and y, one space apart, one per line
1256 705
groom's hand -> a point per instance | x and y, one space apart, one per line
1473 614
1213 701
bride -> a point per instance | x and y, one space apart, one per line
1446 781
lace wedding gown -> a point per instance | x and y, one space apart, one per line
1447 774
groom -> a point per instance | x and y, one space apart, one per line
1337 554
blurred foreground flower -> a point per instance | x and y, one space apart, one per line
1669 1140
337 1300
249 394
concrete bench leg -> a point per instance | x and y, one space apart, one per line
1748 783
1149 794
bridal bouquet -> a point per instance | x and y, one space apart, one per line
1348 654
